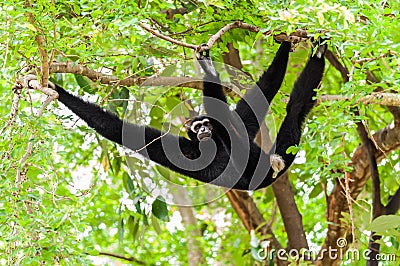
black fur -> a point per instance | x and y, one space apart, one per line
231 159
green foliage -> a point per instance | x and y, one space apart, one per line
385 222
79 195
159 209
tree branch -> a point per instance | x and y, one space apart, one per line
395 110
169 39
121 257
40 39
387 140
295 37
228 27
170 13
377 207
250 215
382 98
393 204
291 217
70 67
336 64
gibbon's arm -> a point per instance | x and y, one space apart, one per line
253 107
300 104
176 153
103 121
214 99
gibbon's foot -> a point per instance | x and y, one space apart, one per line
277 164
319 45
294 38
205 62
30 77
23 83
17 88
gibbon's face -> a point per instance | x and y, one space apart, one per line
201 128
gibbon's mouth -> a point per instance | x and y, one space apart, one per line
204 136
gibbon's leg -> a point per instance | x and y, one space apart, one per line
253 107
300 104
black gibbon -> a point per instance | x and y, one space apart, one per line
221 148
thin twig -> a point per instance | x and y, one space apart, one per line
295 37
132 259
228 27
347 180
164 37
370 59
381 98
14 112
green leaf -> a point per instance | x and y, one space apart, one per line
315 191
385 222
128 184
63 219
92 251
133 224
83 83
124 94
156 225
121 230
293 150
165 172
159 209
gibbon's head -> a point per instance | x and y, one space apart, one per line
200 128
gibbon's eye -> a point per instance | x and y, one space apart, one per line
197 127
208 124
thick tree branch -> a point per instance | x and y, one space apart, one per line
170 13
291 217
387 140
377 207
395 110
40 39
382 98
250 215
393 204
336 64
70 67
